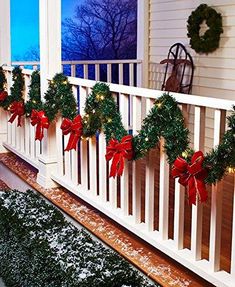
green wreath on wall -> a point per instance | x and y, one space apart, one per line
208 42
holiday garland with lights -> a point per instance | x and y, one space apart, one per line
165 119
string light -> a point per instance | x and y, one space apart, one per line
109 120
146 139
184 154
231 169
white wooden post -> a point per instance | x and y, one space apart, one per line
5 33
142 43
50 63
5 59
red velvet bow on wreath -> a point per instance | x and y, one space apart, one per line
74 128
192 176
41 121
17 109
119 151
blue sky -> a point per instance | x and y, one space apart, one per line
25 24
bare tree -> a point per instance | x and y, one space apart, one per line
101 30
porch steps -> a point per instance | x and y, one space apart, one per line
155 264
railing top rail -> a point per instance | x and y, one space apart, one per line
24 71
81 62
202 101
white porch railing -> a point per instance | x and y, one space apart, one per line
140 199
112 71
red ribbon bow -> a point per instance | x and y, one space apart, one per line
17 109
192 176
118 151
74 128
3 95
38 118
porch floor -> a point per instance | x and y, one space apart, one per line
155 264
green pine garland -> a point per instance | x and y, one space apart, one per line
59 98
17 89
34 102
165 120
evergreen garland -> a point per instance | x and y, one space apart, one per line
34 102
59 98
165 120
17 89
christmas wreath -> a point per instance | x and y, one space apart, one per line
209 41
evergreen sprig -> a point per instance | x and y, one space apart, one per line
34 102
59 98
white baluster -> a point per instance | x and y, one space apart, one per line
97 72
120 73
59 144
196 228
163 193
73 70
83 145
216 205
102 168
109 73
124 180
136 167
179 203
85 71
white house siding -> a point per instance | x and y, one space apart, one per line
214 73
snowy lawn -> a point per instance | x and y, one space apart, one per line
39 247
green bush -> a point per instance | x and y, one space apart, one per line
39 248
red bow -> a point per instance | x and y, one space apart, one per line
118 152
3 95
192 176
17 109
74 128
38 118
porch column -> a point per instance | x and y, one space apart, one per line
50 64
143 42
5 59
5 33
